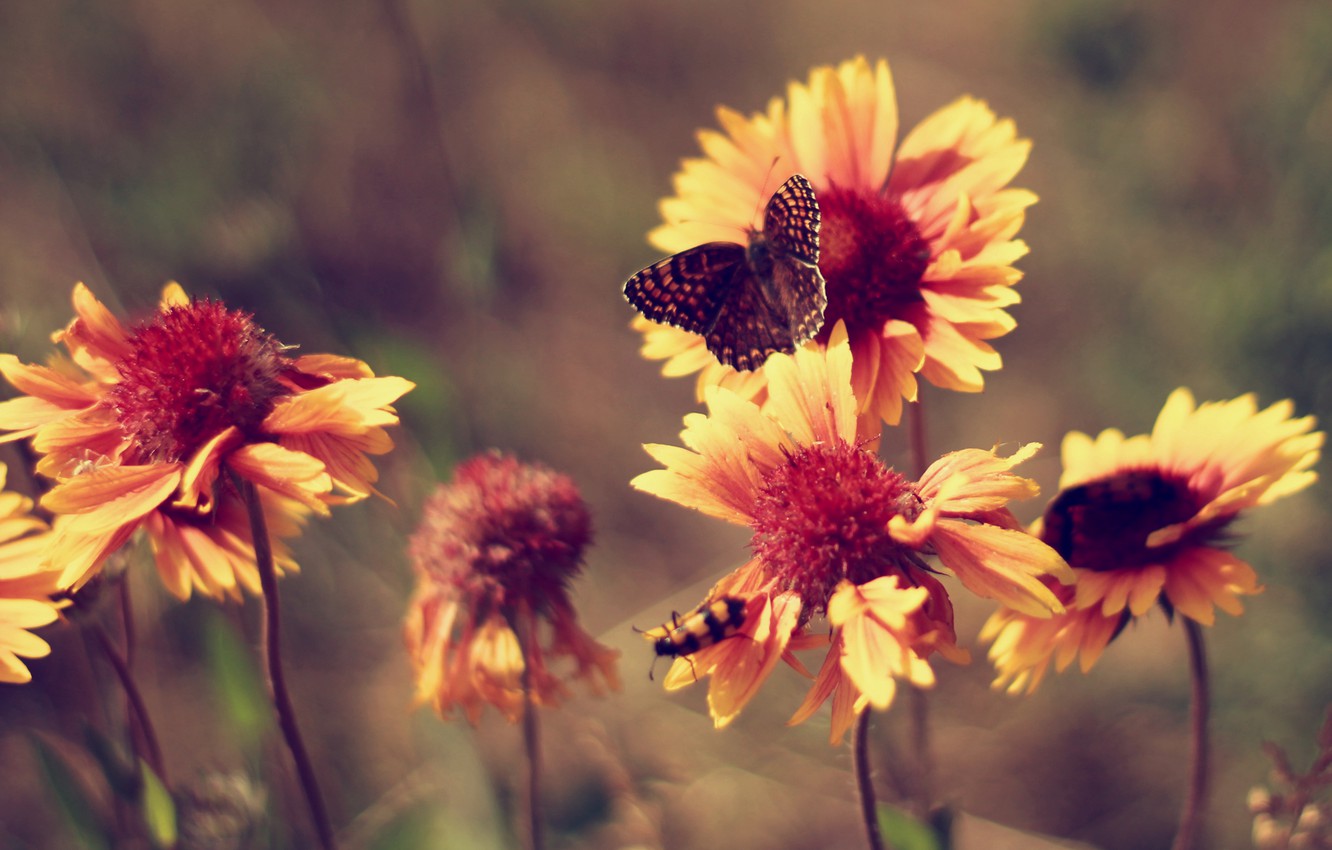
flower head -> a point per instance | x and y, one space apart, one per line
837 534
25 585
141 426
916 243
1146 520
494 555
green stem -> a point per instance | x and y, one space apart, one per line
1195 802
277 684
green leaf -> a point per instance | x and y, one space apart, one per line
121 777
237 681
904 832
72 798
159 811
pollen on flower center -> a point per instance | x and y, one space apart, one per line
822 516
193 371
872 258
1105 524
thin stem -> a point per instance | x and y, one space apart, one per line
530 738
916 424
865 783
271 635
139 742
138 709
923 751
1195 803
127 621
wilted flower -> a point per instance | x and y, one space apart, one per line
494 555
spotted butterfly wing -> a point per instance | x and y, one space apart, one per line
745 301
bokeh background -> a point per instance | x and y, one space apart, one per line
456 191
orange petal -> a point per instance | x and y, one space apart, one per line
294 474
1002 564
112 496
344 407
196 485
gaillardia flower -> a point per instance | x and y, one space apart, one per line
145 428
1146 520
494 555
837 533
916 243
26 585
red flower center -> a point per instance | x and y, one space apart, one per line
503 532
872 258
192 372
1104 524
823 516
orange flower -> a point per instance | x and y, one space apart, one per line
1142 520
838 533
25 586
916 240
141 428
494 555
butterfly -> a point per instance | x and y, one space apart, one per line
746 301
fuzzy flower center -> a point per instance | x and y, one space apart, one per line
193 371
822 516
504 532
1105 524
872 258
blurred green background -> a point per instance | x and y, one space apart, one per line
455 192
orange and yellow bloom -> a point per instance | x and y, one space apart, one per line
147 428
917 238
494 555
25 585
837 533
1147 519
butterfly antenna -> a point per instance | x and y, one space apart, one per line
763 196
763 187
728 226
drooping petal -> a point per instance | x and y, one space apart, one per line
1002 564
293 474
876 644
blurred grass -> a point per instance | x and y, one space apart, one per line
455 193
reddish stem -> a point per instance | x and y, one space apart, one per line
271 636
865 782
1195 802
530 737
923 755
138 709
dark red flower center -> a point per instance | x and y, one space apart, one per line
1105 524
872 258
193 371
504 532
822 516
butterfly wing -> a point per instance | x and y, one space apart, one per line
747 303
688 290
791 221
749 327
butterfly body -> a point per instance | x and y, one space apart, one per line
746 301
